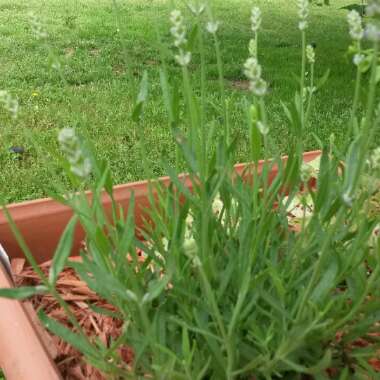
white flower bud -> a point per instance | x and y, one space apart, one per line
372 32
178 30
259 87
358 59
252 70
373 9
303 13
355 24
310 54
212 26
176 17
183 58
80 165
302 25
255 19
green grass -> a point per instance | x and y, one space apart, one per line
103 66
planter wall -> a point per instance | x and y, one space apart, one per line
23 354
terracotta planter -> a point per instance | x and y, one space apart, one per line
23 354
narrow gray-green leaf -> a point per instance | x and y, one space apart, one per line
63 250
76 340
22 292
141 97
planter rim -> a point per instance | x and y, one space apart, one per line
133 186
43 220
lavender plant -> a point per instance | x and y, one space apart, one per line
229 288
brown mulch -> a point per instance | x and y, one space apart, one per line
78 296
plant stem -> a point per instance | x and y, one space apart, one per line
222 90
316 272
202 125
368 121
192 112
302 82
356 98
311 94
371 92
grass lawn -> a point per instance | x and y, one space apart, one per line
103 62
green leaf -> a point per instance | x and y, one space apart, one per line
317 368
186 351
365 64
22 292
185 147
201 375
327 282
175 104
351 172
155 288
321 82
345 374
167 96
324 182
255 135
100 280
287 112
106 312
192 37
356 282
63 250
141 98
77 341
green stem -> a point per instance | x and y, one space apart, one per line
356 98
372 91
222 90
302 82
192 111
202 125
316 272
368 121
311 94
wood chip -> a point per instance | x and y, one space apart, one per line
78 297
17 266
